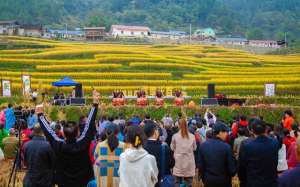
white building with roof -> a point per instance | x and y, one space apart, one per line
172 35
129 31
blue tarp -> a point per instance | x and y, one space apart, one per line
66 81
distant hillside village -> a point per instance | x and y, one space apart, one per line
207 35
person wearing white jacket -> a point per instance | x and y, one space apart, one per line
282 160
137 167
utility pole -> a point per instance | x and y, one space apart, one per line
285 40
190 33
66 30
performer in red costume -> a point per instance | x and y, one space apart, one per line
159 100
179 100
118 99
141 99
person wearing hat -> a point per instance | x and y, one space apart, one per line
258 158
216 162
10 145
154 147
108 151
39 158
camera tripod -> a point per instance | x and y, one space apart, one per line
17 162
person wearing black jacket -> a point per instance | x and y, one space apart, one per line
73 163
39 158
154 147
258 158
216 162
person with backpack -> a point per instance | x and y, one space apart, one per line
161 152
73 167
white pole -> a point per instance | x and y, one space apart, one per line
66 30
285 40
190 33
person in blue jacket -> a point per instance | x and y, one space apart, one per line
10 117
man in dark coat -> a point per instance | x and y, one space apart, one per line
73 166
39 157
216 162
259 158
154 147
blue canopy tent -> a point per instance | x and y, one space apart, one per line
66 81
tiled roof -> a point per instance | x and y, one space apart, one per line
130 28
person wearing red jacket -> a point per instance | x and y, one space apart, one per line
288 140
288 120
241 123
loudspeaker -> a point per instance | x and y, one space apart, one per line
211 91
78 91
77 101
209 102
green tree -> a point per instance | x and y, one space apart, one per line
254 34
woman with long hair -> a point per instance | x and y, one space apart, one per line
106 156
137 167
184 144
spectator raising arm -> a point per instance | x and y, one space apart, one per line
88 129
209 117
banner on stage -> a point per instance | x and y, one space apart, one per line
6 88
26 84
270 89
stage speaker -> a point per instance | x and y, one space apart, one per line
78 91
77 101
209 102
211 91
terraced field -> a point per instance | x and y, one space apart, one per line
109 67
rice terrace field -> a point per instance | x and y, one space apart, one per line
109 67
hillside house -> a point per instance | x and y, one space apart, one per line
94 33
31 30
9 27
65 34
232 41
207 34
129 31
171 35
264 43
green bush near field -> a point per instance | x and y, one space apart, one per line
269 114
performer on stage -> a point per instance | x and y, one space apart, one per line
118 99
159 100
179 100
141 98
